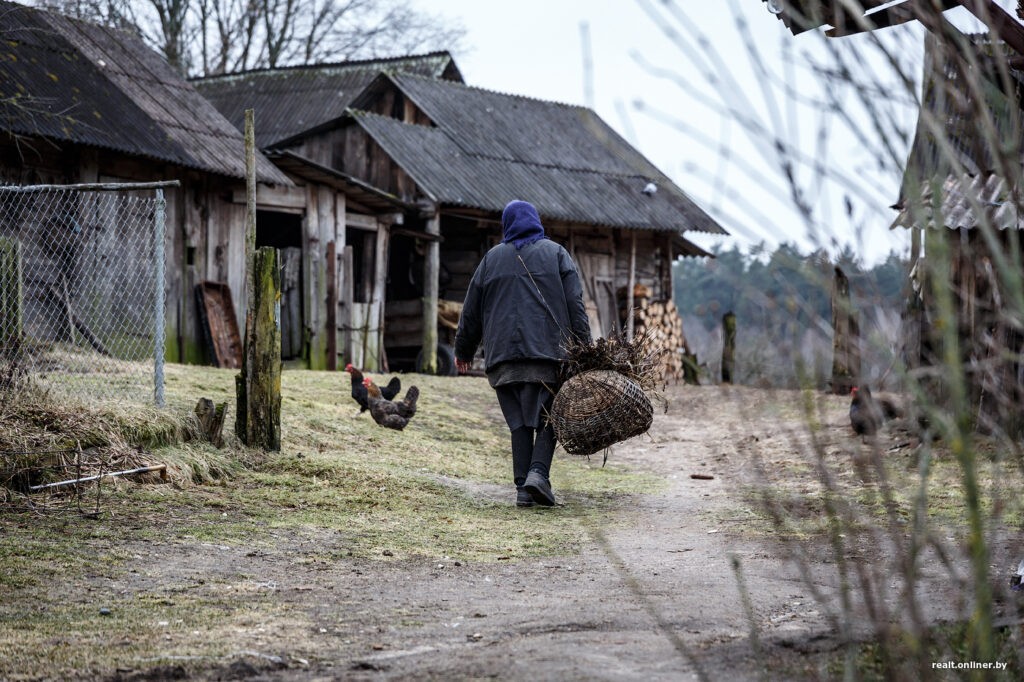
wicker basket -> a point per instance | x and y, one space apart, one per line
599 408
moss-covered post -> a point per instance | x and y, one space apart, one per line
728 347
258 387
11 297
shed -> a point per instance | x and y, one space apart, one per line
459 154
86 103
333 248
961 197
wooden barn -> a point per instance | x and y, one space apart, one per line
960 197
335 254
85 103
454 155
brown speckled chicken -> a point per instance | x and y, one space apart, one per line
387 413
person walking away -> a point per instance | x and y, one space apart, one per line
524 302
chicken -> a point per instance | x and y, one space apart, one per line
392 415
867 413
359 390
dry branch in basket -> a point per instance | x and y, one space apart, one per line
634 359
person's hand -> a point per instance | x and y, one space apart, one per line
462 366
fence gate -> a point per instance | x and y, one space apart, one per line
82 290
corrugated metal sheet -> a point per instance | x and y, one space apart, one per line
78 82
292 100
441 165
981 200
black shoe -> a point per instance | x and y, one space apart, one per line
539 489
523 498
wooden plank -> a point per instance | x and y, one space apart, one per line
311 263
380 282
431 273
332 309
362 222
218 316
12 320
275 197
346 318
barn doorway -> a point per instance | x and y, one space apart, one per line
283 231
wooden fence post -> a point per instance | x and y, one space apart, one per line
258 387
11 297
258 413
845 337
728 347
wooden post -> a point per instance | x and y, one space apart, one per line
12 319
845 358
332 308
211 420
258 387
630 301
431 271
347 299
728 347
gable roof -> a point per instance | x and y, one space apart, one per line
972 138
488 148
73 81
289 101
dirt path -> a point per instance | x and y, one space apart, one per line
653 599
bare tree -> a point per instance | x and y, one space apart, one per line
204 37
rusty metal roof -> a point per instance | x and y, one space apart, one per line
289 101
73 81
489 148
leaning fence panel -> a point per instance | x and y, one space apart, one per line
82 291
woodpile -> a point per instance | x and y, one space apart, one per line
660 321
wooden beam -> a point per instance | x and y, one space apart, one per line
431 271
275 197
362 222
378 297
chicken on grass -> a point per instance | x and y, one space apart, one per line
868 413
359 390
387 413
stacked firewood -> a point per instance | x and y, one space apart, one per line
659 321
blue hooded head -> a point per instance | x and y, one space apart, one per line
520 224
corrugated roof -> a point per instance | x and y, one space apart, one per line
948 99
490 148
73 81
293 100
966 204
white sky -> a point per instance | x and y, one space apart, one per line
717 138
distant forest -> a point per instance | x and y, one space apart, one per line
782 302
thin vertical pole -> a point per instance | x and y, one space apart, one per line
250 206
631 287
159 303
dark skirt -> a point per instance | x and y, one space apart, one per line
524 404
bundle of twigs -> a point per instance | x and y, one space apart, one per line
637 359
603 398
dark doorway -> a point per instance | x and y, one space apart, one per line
283 231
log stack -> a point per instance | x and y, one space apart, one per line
660 321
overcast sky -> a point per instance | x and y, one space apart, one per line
709 92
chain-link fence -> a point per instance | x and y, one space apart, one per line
82 290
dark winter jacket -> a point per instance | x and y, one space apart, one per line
519 318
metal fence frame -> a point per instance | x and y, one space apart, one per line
159 266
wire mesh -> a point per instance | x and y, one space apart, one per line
81 291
